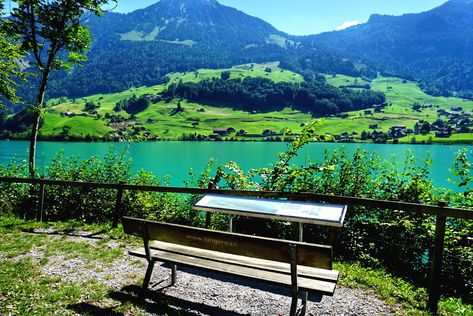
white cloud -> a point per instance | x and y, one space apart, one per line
347 24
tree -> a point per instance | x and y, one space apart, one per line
10 68
52 33
416 106
90 106
225 75
424 128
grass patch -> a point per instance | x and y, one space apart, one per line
91 252
266 70
402 295
79 125
465 138
14 242
24 291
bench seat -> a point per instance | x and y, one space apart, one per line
309 279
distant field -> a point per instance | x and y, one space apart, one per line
195 119
203 118
241 71
401 95
342 80
216 117
55 124
466 138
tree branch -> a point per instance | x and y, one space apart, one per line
34 39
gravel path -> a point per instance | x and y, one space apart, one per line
196 292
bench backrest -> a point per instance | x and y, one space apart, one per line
311 255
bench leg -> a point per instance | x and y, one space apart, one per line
294 302
173 274
304 296
149 271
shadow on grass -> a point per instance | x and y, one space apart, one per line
89 309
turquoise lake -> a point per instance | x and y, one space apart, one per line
175 158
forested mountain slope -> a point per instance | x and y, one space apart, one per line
435 47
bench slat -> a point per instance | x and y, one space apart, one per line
312 255
308 284
315 273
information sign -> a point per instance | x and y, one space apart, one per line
296 211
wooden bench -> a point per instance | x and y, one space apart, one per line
303 267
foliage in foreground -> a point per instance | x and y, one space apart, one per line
400 242
10 68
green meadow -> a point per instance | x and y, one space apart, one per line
203 118
192 121
195 119
401 95
241 71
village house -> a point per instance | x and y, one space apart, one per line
344 137
268 132
220 131
380 106
443 132
398 131
68 114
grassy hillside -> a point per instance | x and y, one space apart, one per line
156 120
67 117
401 95
241 71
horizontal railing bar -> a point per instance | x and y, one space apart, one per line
394 205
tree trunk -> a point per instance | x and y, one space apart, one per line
36 113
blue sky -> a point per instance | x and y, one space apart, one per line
301 17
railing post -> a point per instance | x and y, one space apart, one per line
230 224
211 186
436 270
41 199
207 219
298 231
118 205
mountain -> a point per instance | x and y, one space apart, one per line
142 47
434 46
188 22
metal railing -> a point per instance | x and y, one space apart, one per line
440 211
